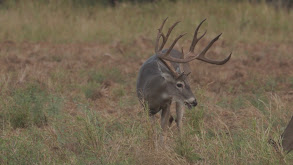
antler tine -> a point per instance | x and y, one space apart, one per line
163 55
195 39
174 73
180 75
209 45
182 51
159 35
165 38
202 57
158 48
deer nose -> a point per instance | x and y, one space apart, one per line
194 103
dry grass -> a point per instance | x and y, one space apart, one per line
57 22
67 85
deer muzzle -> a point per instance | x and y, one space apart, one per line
190 103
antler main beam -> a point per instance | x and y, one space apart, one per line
201 56
191 55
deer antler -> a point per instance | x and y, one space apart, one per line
158 49
190 55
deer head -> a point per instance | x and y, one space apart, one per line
179 66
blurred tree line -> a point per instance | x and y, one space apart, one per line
86 2
276 3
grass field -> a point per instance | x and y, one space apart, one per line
68 77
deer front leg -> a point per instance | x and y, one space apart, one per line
179 113
165 116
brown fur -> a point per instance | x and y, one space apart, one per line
287 136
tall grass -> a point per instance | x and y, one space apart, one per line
72 104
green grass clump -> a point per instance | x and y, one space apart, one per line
234 103
185 149
24 149
195 120
28 106
92 91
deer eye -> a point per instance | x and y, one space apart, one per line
179 85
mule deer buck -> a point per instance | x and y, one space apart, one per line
163 78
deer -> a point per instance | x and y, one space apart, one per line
163 78
287 137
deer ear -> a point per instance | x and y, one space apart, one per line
167 77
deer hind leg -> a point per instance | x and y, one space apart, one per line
179 113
